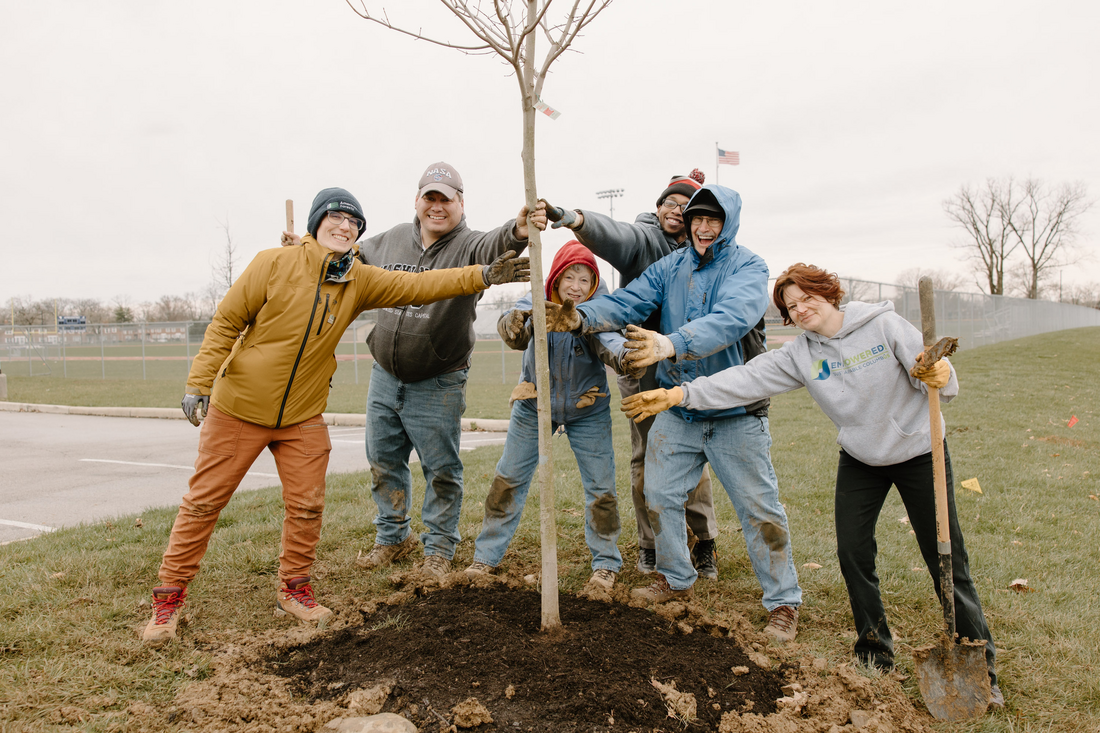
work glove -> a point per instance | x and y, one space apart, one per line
523 391
561 217
634 372
562 318
589 398
646 347
937 375
512 326
290 239
647 404
195 406
507 269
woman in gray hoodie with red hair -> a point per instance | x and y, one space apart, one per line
860 364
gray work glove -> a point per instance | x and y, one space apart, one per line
507 269
564 317
195 406
561 217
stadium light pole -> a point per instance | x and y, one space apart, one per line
611 194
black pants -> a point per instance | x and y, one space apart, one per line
860 493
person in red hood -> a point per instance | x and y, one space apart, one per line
579 403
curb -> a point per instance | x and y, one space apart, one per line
168 413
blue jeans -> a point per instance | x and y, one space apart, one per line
739 450
425 416
590 439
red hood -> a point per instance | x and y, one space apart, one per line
573 253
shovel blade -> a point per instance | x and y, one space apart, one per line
953 679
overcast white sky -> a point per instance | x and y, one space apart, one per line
132 128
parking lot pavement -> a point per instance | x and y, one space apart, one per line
63 470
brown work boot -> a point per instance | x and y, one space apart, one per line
382 555
603 579
480 568
436 565
782 623
660 592
167 602
295 598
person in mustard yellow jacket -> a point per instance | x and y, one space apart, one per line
262 379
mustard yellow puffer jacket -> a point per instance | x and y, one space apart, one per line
272 341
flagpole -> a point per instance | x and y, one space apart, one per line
716 162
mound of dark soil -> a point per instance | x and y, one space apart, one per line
439 649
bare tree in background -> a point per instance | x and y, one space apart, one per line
222 271
941 279
1044 225
984 213
510 31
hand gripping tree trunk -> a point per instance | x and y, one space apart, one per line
511 34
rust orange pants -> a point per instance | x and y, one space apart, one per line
227 449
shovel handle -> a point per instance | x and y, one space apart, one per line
290 216
939 468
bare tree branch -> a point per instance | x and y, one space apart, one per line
984 214
418 35
1045 227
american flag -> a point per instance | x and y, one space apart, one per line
728 157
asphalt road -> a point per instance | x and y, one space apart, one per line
64 470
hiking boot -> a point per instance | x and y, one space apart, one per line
382 555
660 592
479 568
705 559
603 578
782 623
295 598
167 602
436 565
647 560
996 697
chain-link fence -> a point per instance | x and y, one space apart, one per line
165 350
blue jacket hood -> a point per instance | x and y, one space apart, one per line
730 203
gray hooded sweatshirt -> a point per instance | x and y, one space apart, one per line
859 378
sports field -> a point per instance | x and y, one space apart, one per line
72 606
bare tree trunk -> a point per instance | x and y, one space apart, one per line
551 619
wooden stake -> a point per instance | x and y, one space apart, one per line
290 215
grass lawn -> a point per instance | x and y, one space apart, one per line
74 599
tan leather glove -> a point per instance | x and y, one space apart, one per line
589 398
562 318
937 375
523 391
646 347
647 404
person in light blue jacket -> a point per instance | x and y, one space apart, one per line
579 403
710 295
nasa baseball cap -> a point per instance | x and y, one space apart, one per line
441 177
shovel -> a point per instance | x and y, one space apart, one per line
953 677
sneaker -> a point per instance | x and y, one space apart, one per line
782 623
381 555
661 592
436 565
705 559
295 598
996 697
647 560
603 578
167 602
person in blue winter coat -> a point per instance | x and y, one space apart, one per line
860 363
579 403
710 295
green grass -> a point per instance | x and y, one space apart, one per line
72 606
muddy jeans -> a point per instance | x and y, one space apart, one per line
424 416
861 490
739 450
699 510
227 449
590 439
